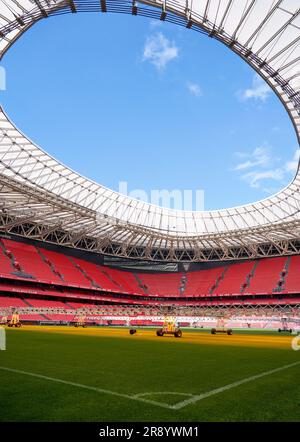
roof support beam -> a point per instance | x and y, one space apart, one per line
72 6
278 32
103 5
134 9
263 23
38 3
243 18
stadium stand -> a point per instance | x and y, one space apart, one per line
71 275
41 303
8 302
33 317
53 286
30 262
98 274
160 284
203 282
125 281
235 279
80 305
61 317
292 276
267 276
6 267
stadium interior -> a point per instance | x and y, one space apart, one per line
70 245
48 286
74 253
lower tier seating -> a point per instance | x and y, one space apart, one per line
116 315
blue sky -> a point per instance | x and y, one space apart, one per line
121 98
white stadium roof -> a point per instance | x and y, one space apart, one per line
42 199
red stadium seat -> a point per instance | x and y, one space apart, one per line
27 270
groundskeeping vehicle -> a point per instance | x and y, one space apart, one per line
80 322
169 328
215 331
15 321
285 328
221 328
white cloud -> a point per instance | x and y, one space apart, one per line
155 23
194 89
160 51
261 166
261 156
246 165
259 90
256 177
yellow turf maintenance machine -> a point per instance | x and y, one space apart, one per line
15 321
169 328
80 321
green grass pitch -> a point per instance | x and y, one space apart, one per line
131 369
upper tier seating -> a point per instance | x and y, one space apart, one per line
6 267
125 280
96 273
202 282
30 261
292 280
161 284
235 279
69 277
69 272
266 276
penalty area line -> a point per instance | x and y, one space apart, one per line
87 387
197 398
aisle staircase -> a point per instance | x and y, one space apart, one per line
88 277
50 264
218 280
282 277
249 277
18 271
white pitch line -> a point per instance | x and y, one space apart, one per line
193 399
159 393
199 397
87 387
